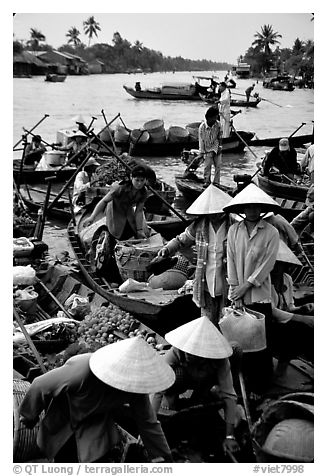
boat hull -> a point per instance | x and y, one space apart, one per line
30 175
230 144
282 190
295 141
161 96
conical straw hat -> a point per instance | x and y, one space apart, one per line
252 194
133 366
200 337
212 200
79 119
286 255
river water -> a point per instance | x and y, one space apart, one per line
88 95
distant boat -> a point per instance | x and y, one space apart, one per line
55 78
178 93
280 83
243 70
233 102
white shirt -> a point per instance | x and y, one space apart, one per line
214 259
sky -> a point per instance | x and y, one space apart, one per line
213 36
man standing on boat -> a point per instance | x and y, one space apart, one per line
248 92
224 108
210 145
283 158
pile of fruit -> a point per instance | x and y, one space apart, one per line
110 324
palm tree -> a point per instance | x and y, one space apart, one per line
297 47
266 38
36 38
73 35
90 28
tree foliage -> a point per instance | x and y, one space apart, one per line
73 35
91 27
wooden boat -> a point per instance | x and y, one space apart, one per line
295 141
230 144
192 186
30 175
282 190
233 102
280 83
242 103
161 310
55 78
158 93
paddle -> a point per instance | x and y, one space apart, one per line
45 208
29 340
34 127
244 142
19 197
42 140
109 131
148 186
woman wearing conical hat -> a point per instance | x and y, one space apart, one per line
80 401
252 246
199 358
209 233
292 330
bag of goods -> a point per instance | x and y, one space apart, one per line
244 326
22 246
77 306
23 275
26 299
131 285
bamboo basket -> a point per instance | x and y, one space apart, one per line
132 260
24 440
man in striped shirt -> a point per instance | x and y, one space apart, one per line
210 144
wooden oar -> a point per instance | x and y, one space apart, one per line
244 142
303 123
45 207
148 186
109 131
32 129
29 341
19 196
42 140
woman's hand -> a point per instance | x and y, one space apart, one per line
163 252
238 292
230 445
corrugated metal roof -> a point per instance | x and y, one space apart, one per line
28 58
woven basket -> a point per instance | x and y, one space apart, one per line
132 261
24 443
